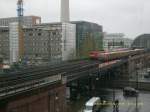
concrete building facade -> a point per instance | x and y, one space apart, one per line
50 43
27 20
14 42
88 36
9 35
42 44
115 41
60 41
4 43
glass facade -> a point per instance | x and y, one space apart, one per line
89 37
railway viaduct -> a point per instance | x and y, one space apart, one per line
43 89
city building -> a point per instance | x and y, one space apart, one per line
10 40
27 20
9 43
42 43
14 42
115 41
4 43
89 37
63 40
50 42
57 41
142 41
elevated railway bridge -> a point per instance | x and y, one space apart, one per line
43 88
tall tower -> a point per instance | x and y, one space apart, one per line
65 13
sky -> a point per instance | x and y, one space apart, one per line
131 17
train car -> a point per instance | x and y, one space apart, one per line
107 56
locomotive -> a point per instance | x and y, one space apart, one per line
108 56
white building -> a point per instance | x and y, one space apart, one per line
68 41
51 42
14 42
114 41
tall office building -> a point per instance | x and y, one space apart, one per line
89 37
65 13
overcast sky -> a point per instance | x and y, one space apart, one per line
131 17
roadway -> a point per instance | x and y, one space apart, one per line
127 104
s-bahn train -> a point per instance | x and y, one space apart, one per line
108 56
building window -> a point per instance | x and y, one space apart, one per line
54 33
30 34
39 34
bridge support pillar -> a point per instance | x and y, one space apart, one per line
124 72
134 62
91 86
74 90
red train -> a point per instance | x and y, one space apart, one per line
107 56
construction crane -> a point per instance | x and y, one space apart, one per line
20 13
20 8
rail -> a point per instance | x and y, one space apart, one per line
18 83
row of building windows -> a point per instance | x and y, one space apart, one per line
44 34
3 31
42 49
42 39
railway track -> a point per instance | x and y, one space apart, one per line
65 69
35 74
43 76
37 77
